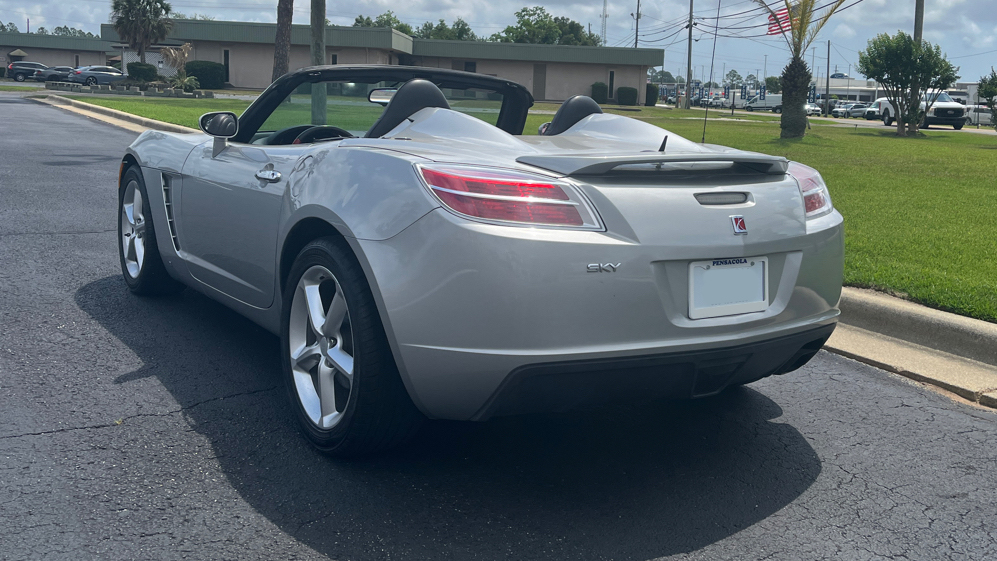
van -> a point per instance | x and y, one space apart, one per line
771 101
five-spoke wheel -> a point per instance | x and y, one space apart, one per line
320 343
132 228
141 263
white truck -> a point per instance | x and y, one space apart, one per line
771 102
945 111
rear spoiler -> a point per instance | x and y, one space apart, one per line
603 164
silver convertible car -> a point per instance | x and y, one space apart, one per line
419 257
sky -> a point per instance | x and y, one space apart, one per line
966 30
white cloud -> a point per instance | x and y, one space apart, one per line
844 31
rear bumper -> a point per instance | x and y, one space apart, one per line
465 305
579 384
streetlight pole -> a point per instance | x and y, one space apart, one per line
688 79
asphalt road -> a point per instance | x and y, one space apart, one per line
138 428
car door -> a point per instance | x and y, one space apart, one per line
230 206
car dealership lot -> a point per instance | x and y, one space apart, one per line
157 428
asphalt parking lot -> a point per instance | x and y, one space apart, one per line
157 428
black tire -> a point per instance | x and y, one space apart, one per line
378 413
150 278
749 109
958 127
887 119
91 81
777 110
18 77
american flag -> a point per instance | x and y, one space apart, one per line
779 22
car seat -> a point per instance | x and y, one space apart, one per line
414 95
574 109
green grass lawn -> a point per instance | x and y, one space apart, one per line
919 212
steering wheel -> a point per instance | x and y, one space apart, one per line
285 136
321 132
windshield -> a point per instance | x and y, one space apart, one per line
348 107
943 97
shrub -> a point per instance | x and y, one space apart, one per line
600 92
3 71
210 75
626 96
651 95
116 64
142 71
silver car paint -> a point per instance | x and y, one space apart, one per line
433 274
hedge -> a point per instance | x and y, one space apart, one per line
210 75
626 96
142 71
600 92
651 95
3 70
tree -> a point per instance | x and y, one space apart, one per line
903 66
733 79
533 25
660 76
194 16
282 41
988 91
141 23
459 31
574 33
9 28
41 31
752 81
387 19
67 31
804 26
773 84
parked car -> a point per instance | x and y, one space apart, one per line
839 75
944 111
95 75
857 110
371 251
57 73
813 109
22 70
841 110
872 112
718 101
979 115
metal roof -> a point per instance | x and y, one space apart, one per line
33 40
390 39
538 53
249 32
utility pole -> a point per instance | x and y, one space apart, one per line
918 20
827 82
319 93
688 78
765 72
637 29
813 57
605 5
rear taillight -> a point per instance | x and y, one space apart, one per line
78 72
508 196
816 199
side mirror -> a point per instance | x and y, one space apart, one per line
381 96
543 128
221 124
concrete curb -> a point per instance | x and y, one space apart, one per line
900 319
120 115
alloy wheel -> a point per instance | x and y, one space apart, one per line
320 345
133 229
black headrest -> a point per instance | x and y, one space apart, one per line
414 95
574 109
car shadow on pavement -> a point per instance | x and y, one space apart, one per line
632 483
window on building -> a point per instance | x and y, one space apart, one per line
612 83
333 59
77 61
470 66
225 62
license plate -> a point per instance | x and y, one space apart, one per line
727 287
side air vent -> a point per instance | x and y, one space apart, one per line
714 199
168 199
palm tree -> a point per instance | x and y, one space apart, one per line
282 43
141 23
796 76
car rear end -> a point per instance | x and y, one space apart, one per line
581 280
